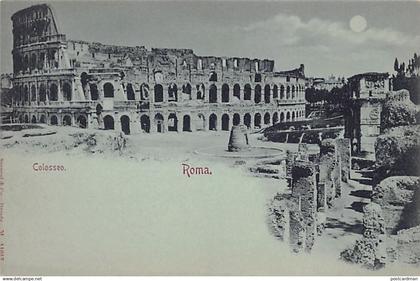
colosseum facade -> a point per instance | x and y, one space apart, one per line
136 90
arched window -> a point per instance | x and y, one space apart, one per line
213 94
247 92
53 93
130 93
225 93
172 92
33 93
281 92
144 92
275 92
108 122
237 91
42 93
94 95
158 93
186 90
257 94
67 92
267 94
108 90
200 91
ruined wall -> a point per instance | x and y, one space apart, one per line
369 251
399 198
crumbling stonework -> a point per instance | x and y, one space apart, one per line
399 198
370 251
398 110
64 82
398 153
343 153
304 195
408 245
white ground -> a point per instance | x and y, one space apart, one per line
112 215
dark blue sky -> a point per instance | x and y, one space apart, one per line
314 33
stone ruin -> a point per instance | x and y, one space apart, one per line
238 140
315 181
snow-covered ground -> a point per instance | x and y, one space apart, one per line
137 213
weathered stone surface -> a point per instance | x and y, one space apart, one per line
397 113
398 153
399 198
343 153
370 251
408 245
238 139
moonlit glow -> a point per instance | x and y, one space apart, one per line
358 23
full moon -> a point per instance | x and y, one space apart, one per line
358 23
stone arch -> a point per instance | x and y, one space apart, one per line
213 122
172 92
67 120
42 119
53 96
130 92
293 116
33 93
237 91
213 94
145 123
287 116
67 91
281 117
275 92
26 118
84 79
125 124
247 92
201 122
236 119
159 123
42 93
247 120
267 94
275 118
94 93
267 118
172 122
158 89
109 122
26 93
54 120
144 91
201 91
225 93
288 92
257 120
81 121
225 122
186 123
281 92
186 90
33 119
257 93
26 62
293 91
108 91
33 61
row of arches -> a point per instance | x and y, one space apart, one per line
40 92
65 120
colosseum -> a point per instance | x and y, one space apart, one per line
137 90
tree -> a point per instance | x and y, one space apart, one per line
396 65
